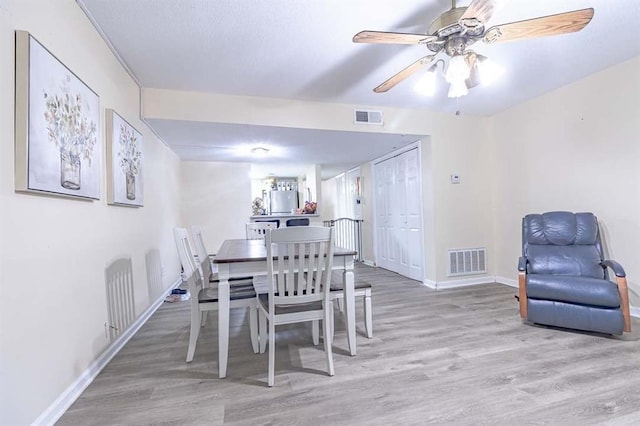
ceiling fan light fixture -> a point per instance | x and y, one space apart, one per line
427 84
488 70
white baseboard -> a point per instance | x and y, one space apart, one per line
442 285
73 392
507 281
634 312
369 263
430 283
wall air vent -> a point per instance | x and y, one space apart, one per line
467 261
368 117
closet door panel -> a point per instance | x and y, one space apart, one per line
398 215
413 216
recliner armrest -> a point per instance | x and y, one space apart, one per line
615 266
522 264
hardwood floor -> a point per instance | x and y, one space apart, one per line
459 356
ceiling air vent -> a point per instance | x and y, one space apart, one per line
368 117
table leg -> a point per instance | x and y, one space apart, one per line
350 309
223 327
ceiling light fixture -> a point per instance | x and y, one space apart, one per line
463 72
260 151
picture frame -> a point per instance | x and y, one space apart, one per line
58 146
125 184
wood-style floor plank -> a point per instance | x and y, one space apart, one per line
460 356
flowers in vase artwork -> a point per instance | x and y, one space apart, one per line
130 159
71 130
125 152
58 144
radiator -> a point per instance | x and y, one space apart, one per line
467 261
120 302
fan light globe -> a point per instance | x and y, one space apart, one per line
457 73
427 84
489 71
457 89
458 70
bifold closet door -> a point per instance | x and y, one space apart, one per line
399 215
385 200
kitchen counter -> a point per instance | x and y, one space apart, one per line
283 216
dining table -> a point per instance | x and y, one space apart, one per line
248 258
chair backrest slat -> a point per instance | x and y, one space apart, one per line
314 250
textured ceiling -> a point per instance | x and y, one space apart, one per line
334 151
302 50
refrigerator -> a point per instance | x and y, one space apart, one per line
283 202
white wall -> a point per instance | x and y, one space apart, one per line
462 217
53 251
216 196
575 149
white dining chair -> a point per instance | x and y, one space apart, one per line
204 299
199 247
299 263
257 230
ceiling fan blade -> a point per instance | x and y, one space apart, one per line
477 13
391 38
561 23
408 71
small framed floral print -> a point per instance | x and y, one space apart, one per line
58 148
124 162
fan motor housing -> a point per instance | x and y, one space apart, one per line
447 23
446 26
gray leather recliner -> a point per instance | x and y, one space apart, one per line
563 278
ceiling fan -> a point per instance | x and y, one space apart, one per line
460 27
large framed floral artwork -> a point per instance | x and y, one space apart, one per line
124 162
58 149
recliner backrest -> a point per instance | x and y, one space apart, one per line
562 243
